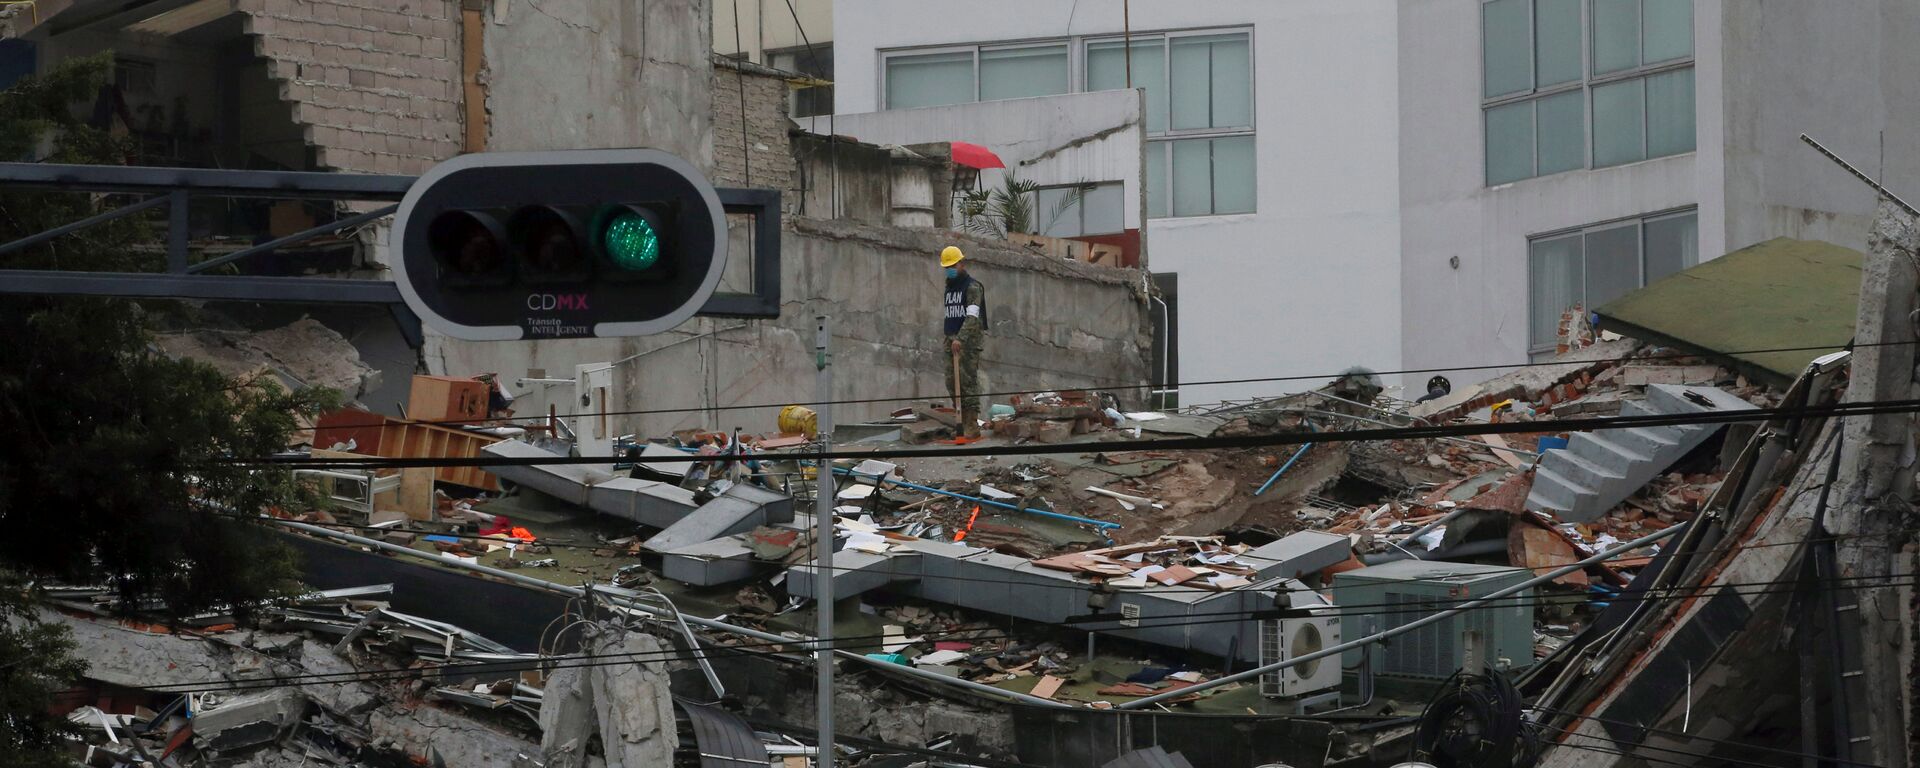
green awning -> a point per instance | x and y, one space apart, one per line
1782 293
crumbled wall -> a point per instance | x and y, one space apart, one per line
764 158
374 84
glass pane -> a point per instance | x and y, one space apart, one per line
1613 264
1616 35
1107 70
1673 244
1156 172
1668 26
1670 113
1192 177
1102 209
1618 123
929 80
1232 82
1506 47
1210 82
1554 278
1233 175
1556 42
1509 143
1056 212
1020 72
1562 123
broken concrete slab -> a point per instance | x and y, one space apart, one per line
250 719
741 508
634 707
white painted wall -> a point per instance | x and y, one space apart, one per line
1477 314
768 25
1042 139
1310 283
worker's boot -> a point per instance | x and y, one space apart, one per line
970 423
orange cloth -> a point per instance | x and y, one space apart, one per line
521 534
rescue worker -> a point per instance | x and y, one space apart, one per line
965 331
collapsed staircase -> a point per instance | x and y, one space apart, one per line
1598 470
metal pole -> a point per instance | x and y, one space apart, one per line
823 540
1411 625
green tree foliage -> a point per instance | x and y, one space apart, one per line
109 468
36 662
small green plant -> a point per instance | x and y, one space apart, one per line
1011 208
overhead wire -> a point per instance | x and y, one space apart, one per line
841 643
1707 739
1868 408
1156 385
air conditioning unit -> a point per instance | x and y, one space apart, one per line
1283 639
1398 593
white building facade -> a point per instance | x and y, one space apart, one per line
1431 184
1269 187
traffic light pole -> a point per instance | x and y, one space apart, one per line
823 542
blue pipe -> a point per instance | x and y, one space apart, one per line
1100 524
1283 469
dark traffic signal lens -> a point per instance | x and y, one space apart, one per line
550 244
470 249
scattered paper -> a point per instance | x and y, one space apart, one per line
855 492
1148 571
939 657
1187 677
1130 582
895 638
1146 416
855 525
1127 500
995 493
1431 539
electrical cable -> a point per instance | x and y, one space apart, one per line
587 660
1707 739
1869 408
1091 587
1157 385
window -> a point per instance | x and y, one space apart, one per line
1594 265
1570 84
975 73
1078 209
1199 102
817 63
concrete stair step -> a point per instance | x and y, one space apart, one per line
1673 398
1552 491
1611 455
1583 471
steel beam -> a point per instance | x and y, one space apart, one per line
98 218
317 290
301 236
201 181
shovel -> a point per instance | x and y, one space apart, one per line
956 378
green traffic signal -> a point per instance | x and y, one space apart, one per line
630 241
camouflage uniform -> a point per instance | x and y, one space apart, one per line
966 292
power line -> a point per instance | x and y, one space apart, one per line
1710 740
1868 408
1089 587
1163 385
842 643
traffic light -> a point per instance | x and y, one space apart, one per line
565 244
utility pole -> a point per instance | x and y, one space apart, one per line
823 540
1875 491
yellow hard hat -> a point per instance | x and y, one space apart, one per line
950 256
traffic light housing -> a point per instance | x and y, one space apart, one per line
566 244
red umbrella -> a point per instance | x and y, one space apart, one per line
975 156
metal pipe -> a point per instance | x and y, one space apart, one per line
1463 549
1422 530
652 611
1409 626
306 234
1102 524
1283 468
99 218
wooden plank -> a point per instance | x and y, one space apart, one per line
1501 449
1048 686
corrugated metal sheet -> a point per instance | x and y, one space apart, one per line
724 740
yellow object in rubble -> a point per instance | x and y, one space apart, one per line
799 418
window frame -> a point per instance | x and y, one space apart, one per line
1080 207
1637 222
975 49
1166 138
1586 83
802 54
